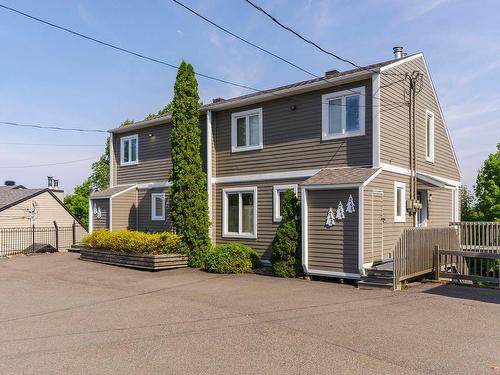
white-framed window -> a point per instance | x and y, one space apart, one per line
158 206
240 212
129 150
343 114
278 193
399 202
429 136
246 130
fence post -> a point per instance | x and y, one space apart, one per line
57 235
33 238
437 266
74 233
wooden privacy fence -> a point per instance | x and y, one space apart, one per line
413 252
39 239
479 236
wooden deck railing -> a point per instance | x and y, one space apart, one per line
479 236
413 252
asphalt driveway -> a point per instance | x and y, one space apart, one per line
59 315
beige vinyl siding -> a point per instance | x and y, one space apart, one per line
145 223
266 228
440 207
292 137
50 210
394 124
384 182
103 222
333 249
125 210
155 159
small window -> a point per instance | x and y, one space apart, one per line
278 193
429 136
158 206
129 150
343 114
246 130
240 212
399 202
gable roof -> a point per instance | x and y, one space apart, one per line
110 192
331 79
341 176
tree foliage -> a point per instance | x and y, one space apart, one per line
188 194
162 112
286 246
488 188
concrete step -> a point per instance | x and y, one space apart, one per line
75 248
370 283
377 273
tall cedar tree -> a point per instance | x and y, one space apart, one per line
286 246
188 194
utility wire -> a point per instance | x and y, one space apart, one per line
260 9
47 144
8 123
269 52
47 165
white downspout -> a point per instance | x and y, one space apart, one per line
209 170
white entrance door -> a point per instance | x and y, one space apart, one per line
377 226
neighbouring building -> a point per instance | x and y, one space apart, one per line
342 142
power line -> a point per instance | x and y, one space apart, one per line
47 144
260 9
47 165
267 51
8 123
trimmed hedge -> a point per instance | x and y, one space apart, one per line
135 242
231 258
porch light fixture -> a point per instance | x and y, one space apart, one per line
151 135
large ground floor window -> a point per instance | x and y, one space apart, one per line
240 212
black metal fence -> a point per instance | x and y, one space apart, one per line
33 239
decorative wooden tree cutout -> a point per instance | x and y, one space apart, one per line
350 205
340 212
330 219
99 214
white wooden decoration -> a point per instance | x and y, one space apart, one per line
350 205
99 214
340 212
330 219
95 209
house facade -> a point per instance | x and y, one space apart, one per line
341 142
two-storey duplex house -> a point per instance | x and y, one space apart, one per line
341 142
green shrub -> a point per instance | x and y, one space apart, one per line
286 246
134 242
231 258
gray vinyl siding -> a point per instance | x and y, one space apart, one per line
333 249
155 158
145 223
292 138
125 210
394 124
103 222
266 227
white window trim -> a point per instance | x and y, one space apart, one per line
153 206
122 148
325 135
225 212
429 154
402 218
276 199
234 134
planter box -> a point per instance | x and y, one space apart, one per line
141 261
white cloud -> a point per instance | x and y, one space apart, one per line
420 8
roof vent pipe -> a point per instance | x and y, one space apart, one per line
398 52
10 183
56 184
50 182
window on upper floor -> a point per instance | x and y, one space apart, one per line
399 202
429 136
278 193
240 212
129 150
158 206
246 130
343 114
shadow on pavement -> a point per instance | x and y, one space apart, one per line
481 294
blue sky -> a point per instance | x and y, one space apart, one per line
53 78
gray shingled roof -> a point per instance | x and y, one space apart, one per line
111 191
9 197
337 176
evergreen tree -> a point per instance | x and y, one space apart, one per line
188 194
286 246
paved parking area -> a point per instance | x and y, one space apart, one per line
59 315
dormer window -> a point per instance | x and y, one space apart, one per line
246 130
343 114
129 150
